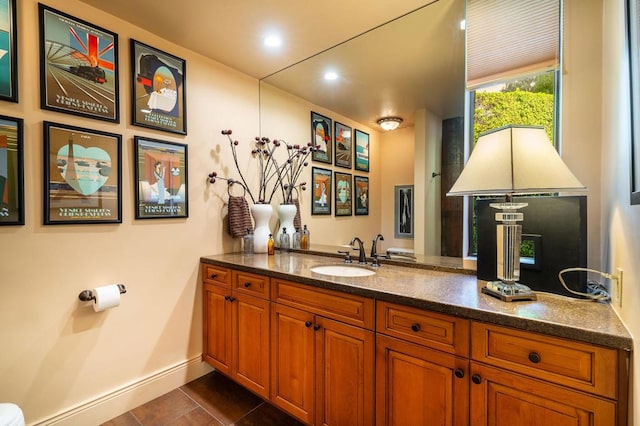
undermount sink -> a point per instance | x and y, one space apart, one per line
343 270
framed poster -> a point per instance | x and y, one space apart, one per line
11 171
361 185
361 150
9 47
321 186
160 179
633 28
403 227
158 95
321 137
82 175
343 194
342 145
78 67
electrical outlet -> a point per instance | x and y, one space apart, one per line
619 286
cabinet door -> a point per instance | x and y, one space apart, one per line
217 328
416 385
501 398
250 331
292 361
344 374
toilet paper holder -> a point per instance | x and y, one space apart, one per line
87 295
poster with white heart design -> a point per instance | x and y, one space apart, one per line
83 175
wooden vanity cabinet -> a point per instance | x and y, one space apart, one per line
422 367
236 327
530 379
322 367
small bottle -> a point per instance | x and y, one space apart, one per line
285 241
247 242
296 239
305 239
270 245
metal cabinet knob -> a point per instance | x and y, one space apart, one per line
415 327
476 379
459 373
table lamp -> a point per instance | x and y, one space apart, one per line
508 161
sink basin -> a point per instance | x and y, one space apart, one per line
343 270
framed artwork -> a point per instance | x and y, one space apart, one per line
321 136
403 227
361 188
82 175
11 171
158 94
160 179
9 47
633 28
78 67
321 187
361 150
342 145
343 194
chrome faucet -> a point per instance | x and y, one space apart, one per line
374 249
362 257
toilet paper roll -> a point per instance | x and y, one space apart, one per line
107 296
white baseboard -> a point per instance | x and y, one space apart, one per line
120 400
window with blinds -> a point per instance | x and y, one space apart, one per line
510 38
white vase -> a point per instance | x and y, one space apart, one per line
286 214
261 214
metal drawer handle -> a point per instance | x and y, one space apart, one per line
316 327
459 373
534 357
247 284
308 324
415 327
213 276
476 379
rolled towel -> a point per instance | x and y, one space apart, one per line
297 221
239 216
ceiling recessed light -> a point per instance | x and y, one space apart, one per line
272 41
330 75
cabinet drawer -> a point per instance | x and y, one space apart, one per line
569 363
438 331
255 285
216 275
348 308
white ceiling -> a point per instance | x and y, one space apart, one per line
232 32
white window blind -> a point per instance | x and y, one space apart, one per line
507 38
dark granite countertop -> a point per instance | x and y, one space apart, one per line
446 292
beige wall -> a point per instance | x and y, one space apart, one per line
57 354
620 220
398 153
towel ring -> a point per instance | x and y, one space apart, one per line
230 184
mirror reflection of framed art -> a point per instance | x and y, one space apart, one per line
633 28
321 127
403 223
343 194
321 189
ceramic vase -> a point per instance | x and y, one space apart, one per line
261 214
286 214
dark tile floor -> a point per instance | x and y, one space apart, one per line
212 400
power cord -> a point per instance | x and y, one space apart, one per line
597 292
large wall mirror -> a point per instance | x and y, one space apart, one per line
410 65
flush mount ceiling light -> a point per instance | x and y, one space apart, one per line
330 75
390 123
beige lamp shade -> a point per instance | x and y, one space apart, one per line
515 160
